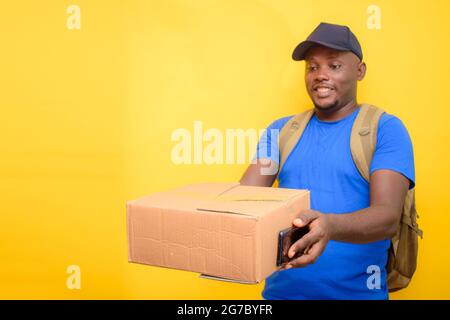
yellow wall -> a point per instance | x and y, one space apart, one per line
87 116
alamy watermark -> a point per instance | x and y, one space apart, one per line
74 19
74 279
374 18
231 146
374 280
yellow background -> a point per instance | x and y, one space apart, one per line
87 116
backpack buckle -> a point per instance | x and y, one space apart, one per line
294 126
364 131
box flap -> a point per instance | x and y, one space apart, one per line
254 193
229 198
251 208
250 200
205 276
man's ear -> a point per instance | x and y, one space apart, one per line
361 70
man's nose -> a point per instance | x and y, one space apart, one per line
321 76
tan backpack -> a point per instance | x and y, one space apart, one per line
402 259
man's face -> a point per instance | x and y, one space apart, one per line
331 77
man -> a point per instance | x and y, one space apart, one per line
351 221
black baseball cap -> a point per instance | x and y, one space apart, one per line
332 36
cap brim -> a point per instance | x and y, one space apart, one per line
300 51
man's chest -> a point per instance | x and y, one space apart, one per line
321 154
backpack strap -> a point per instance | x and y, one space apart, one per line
291 133
409 215
363 138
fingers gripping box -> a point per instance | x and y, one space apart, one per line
224 231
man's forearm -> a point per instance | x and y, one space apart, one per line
363 226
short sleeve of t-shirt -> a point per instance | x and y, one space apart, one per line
268 143
394 150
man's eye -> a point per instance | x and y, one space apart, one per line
312 68
336 66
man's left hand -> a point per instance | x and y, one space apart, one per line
313 243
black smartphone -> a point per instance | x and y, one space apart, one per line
286 238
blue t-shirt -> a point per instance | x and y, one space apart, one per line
322 163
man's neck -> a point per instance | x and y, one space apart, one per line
338 114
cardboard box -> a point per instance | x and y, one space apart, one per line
225 231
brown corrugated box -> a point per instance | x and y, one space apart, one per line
224 231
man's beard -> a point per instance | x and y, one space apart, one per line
328 108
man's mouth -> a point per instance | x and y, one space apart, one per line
323 91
